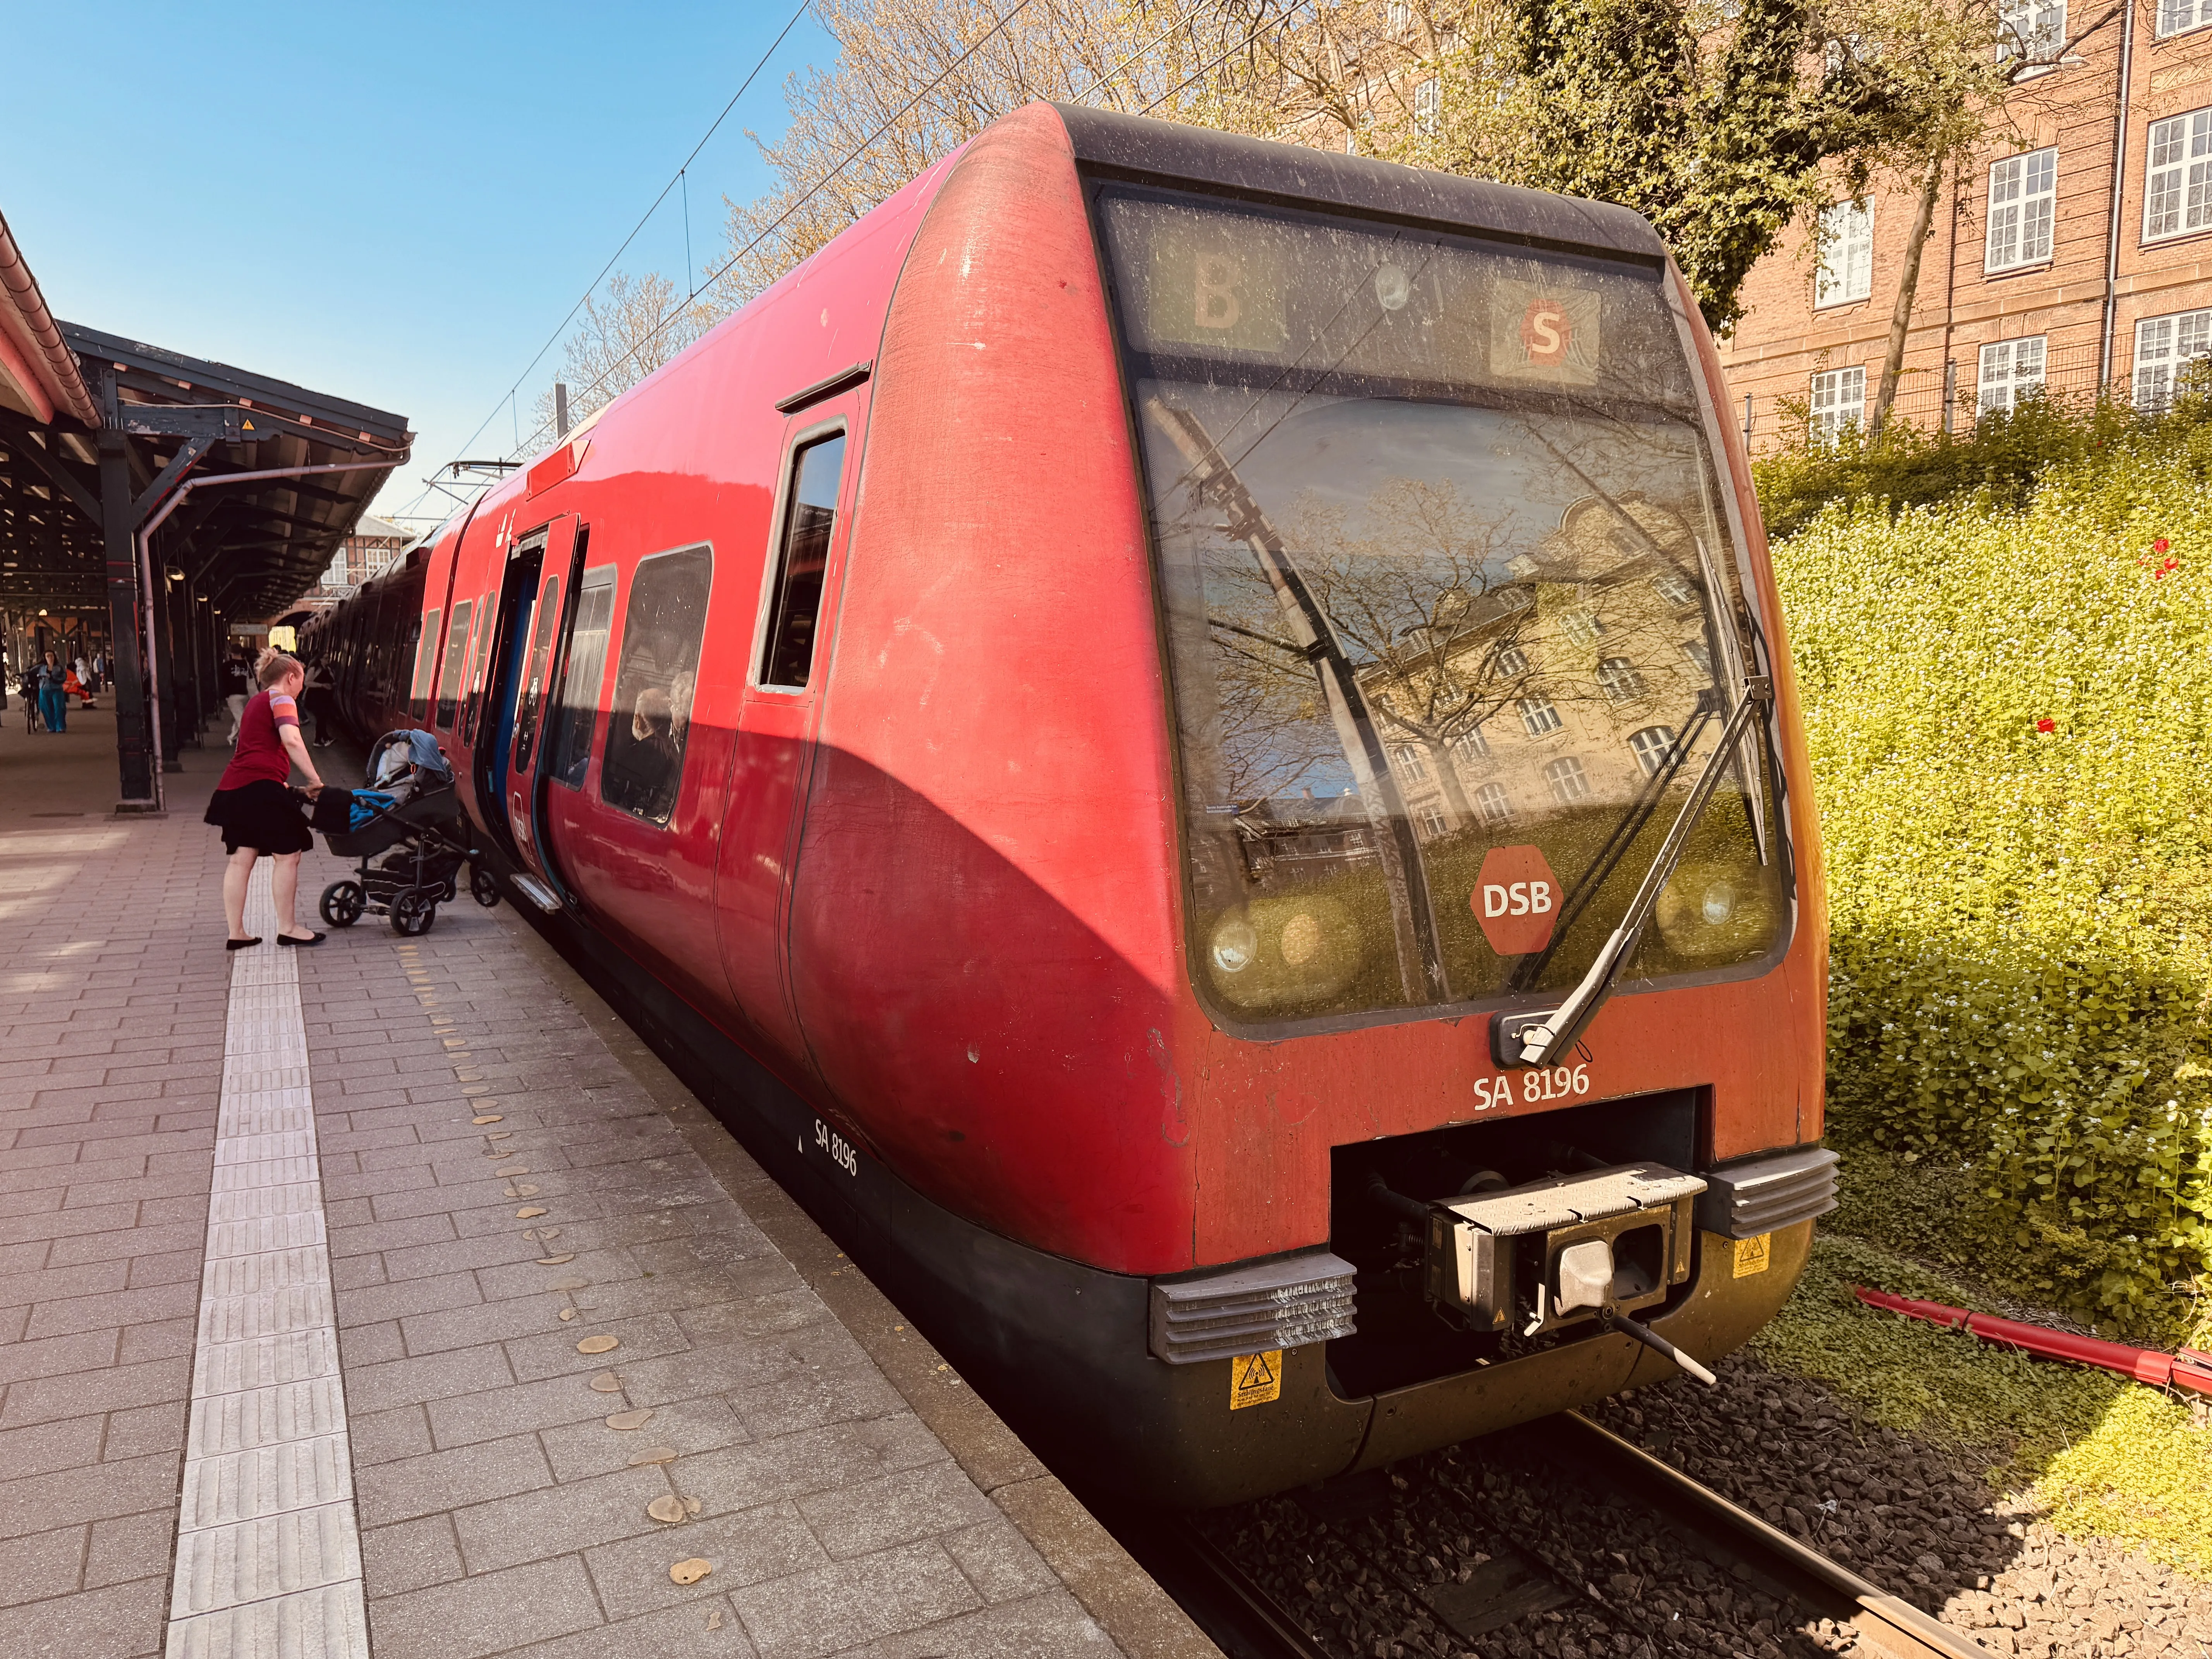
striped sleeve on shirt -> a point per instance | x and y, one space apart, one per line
286 711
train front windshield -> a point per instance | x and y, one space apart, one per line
1455 619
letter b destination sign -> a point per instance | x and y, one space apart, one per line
1517 900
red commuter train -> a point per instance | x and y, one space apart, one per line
1192 740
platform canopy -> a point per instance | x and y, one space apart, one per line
150 501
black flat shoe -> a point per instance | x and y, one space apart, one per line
312 939
238 944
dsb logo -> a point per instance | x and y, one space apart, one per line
1517 899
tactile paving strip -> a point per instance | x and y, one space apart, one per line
268 1548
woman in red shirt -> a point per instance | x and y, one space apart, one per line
252 804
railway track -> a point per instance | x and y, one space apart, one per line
1479 1611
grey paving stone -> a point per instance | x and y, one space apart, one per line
999 1562
557 1520
1053 1626
122 1621
765 1544
144 1429
435 1377
131 1547
366 1304
472 1617
406 1487
67 1498
555 1353
588 1447
131 1309
81 1351
68 1444
463 1420
807 1615
39 1564
114 1389
791 1467
382 1436
896 1508
710 1628
409 1555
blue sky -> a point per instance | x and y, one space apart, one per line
395 204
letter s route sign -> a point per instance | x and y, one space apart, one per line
1517 900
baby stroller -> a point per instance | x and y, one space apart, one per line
409 815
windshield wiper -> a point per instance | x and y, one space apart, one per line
1536 1040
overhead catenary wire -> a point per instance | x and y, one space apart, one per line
676 181
861 149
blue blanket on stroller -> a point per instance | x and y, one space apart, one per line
366 803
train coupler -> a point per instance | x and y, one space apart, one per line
1560 1251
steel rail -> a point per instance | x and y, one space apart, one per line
1887 1624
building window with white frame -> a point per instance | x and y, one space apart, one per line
2165 346
1581 626
2176 15
1540 715
1433 822
1428 104
1839 400
1509 662
2023 197
1570 783
1675 588
1471 746
1651 746
1491 804
2177 181
2033 29
1846 272
1411 763
1617 679
2010 370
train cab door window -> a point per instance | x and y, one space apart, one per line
479 650
426 659
655 680
449 674
533 678
810 518
576 709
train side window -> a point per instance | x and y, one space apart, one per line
654 681
533 678
449 675
576 711
472 687
426 659
808 520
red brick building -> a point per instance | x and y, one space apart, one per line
2080 256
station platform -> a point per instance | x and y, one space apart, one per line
390 1298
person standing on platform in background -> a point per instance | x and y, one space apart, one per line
317 702
28 689
253 805
237 687
53 697
99 668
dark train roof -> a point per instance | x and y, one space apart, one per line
1163 152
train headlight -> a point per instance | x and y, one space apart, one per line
1391 287
1283 952
1236 942
1716 911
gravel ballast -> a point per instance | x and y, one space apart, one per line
1402 1563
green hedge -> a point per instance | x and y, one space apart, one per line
2022 917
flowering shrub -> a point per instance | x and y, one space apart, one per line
2010 719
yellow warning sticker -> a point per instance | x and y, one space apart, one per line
1751 1255
1254 1379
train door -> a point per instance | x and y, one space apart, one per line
781 706
510 641
521 772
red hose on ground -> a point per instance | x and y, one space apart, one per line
2186 1369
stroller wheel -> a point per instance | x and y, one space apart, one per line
412 913
343 904
482 888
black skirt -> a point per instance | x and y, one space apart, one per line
261 815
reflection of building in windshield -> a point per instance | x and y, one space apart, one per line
1564 688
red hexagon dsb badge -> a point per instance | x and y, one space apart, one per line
1517 900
